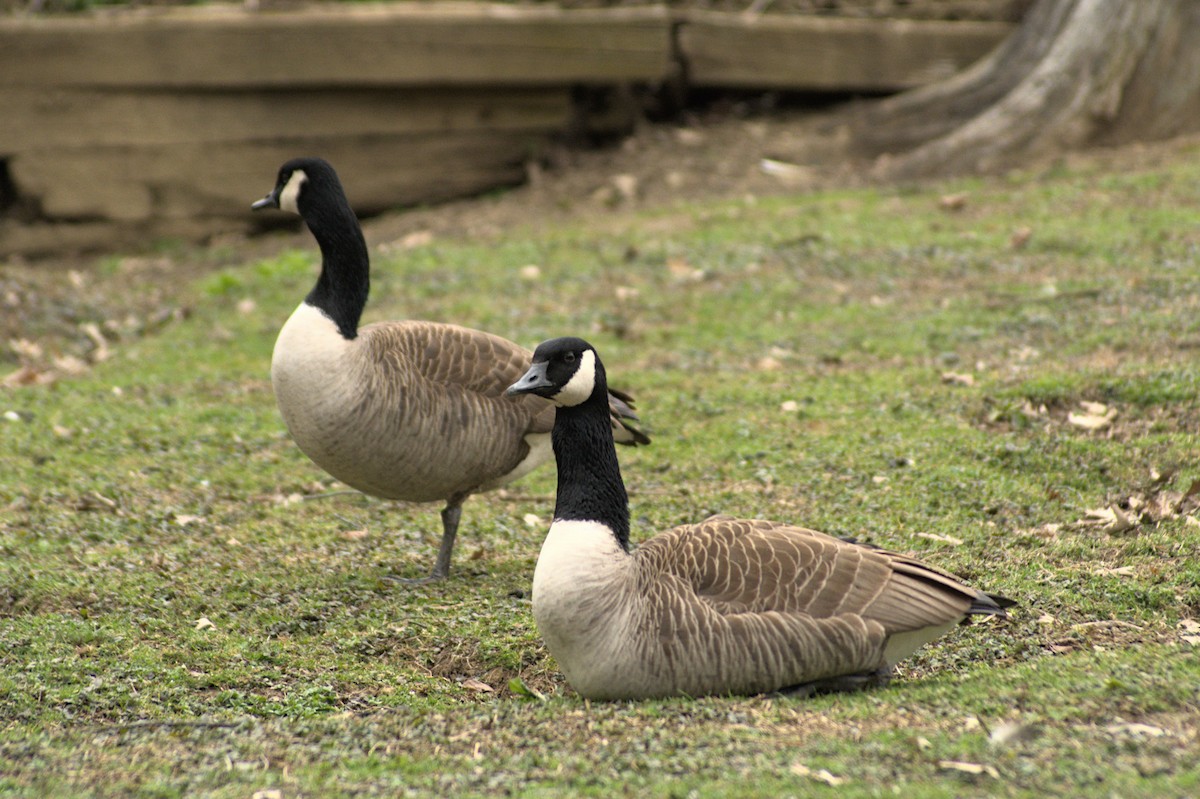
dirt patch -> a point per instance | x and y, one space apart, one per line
59 315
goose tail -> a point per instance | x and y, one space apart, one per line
620 406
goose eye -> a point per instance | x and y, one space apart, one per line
569 357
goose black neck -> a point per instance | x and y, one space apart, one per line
345 280
590 487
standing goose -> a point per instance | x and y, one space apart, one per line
404 410
726 606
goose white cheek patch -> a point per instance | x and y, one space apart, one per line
291 191
580 386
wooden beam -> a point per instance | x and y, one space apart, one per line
138 184
825 54
38 119
442 44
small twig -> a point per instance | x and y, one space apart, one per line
329 494
1105 623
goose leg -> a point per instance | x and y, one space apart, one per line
441 567
837 685
450 517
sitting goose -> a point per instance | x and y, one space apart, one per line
726 606
405 410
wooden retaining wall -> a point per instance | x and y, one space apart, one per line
172 122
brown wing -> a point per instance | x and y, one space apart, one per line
483 364
755 566
461 359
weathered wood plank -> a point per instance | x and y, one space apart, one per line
40 118
823 54
388 45
182 181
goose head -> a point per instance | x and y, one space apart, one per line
301 185
565 371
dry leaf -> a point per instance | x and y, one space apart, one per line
1190 632
820 775
203 623
1020 237
354 535
27 376
1111 519
267 793
472 684
183 519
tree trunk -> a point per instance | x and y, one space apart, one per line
1075 73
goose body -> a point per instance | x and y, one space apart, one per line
403 410
725 606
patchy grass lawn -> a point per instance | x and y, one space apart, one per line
999 376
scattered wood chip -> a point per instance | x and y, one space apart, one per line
418 238
471 684
1095 416
101 351
183 519
626 186
203 623
974 769
787 173
681 269
958 379
1120 571
532 521
789 406
952 202
1020 237
530 272
1136 730
820 775
354 535
945 539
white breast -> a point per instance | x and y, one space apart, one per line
583 604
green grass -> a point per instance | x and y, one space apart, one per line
788 356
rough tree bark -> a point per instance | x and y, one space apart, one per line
1075 73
